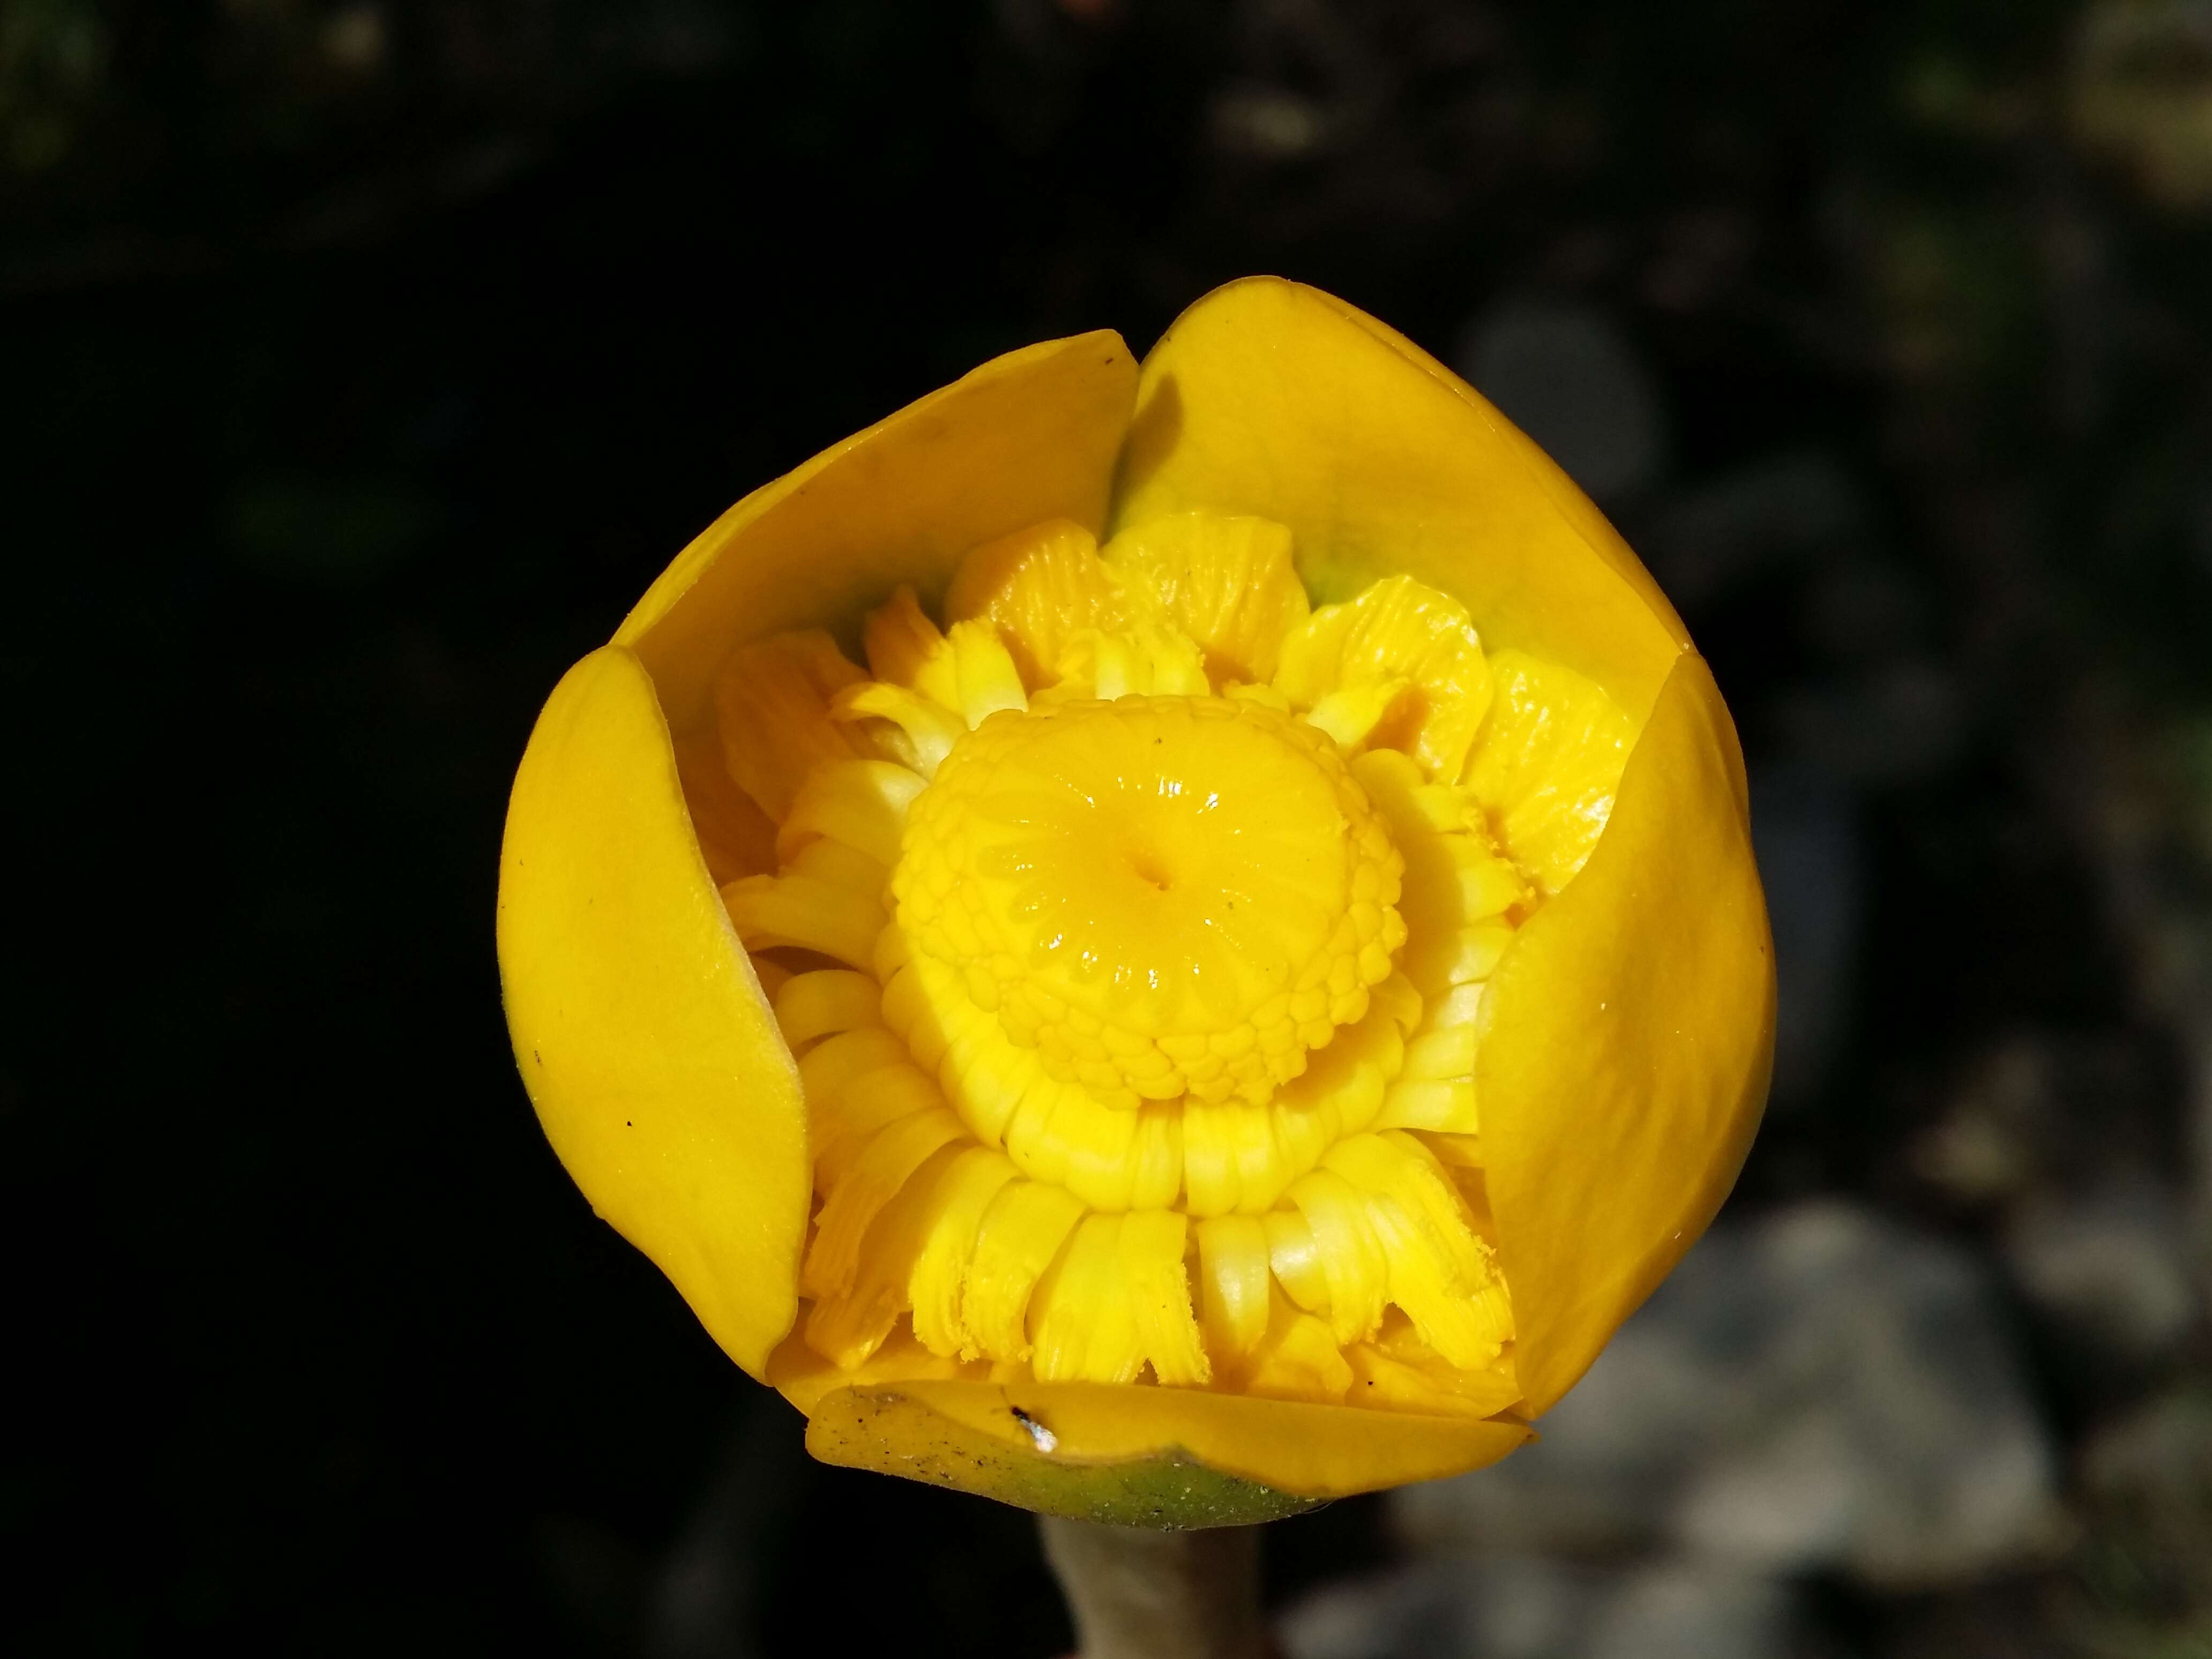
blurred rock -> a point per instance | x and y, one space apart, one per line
1805 830
2109 1268
1567 376
1821 1390
1534 1608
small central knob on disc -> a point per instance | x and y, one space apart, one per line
1162 895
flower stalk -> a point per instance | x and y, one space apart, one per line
1137 1594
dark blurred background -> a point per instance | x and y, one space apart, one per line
364 359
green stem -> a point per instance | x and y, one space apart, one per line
1137 1594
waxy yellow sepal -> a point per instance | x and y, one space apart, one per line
638 1020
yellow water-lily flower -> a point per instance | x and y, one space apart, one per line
1161 943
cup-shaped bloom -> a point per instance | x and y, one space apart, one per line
1161 943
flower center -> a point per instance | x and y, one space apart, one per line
1161 895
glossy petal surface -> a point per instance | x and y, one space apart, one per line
646 1046
1631 1034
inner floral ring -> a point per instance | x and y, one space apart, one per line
1130 932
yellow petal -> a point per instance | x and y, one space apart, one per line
1234 1281
900 640
1029 437
1300 1358
1022 1232
976 1177
1401 1379
1081 1324
984 677
803 912
1140 1456
772 703
1446 1105
831 1000
1037 588
1547 765
1351 1257
737 838
837 1060
847 1120
1401 664
1351 713
1227 1146
882 1166
1145 658
1399 1167
1227 582
1630 1037
1270 399
1294 1257
849 1328
861 803
642 1035
922 731
1152 1247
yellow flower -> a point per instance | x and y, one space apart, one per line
1162 944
